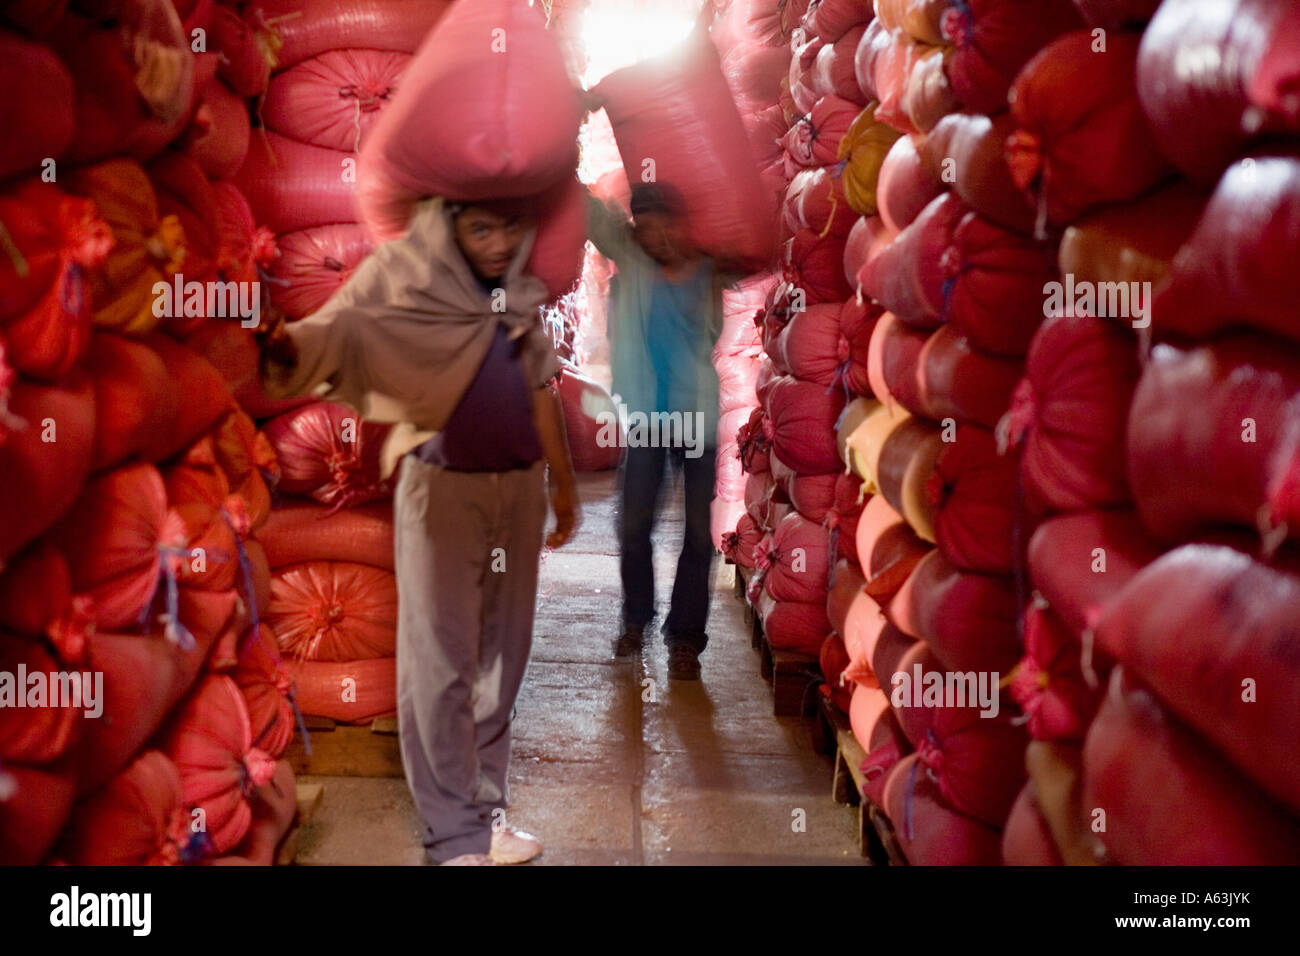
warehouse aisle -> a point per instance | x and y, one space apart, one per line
613 764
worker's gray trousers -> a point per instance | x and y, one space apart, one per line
466 552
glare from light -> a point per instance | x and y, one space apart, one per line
615 36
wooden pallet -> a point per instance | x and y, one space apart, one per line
344 750
847 784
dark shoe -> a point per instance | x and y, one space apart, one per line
629 643
683 662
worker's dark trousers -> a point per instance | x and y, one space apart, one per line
641 477
467 547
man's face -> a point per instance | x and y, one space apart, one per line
489 240
662 237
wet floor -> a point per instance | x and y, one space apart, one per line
615 764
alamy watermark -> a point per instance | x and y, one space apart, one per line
651 430
1111 300
79 690
921 688
214 299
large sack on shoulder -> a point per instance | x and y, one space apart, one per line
486 110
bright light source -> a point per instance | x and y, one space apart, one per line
615 35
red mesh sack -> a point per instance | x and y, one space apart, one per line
1083 138
815 264
45 306
36 811
815 201
244 64
1114 14
1152 776
297 29
1048 683
248 460
38 724
241 246
1217 412
127 103
210 742
153 397
993 285
1203 611
678 112
794 626
968 151
40 104
930 831
814 140
796 562
1070 415
445 134
314 264
993 39
1077 562
1236 268
831 19
976 756
334 611
833 659
326 451
220 135
145 675
968 619
754 73
887 547
974 493
334 99
40 479
350 692
959 382
139 818
146 249
36 599
904 186
866 240
266 682
1199 74
738 545
292 185
834 71
907 277
309 532
802 417
1027 839
184 191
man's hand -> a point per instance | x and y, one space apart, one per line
564 502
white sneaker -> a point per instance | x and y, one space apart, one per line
511 845
471 859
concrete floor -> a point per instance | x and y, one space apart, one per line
613 763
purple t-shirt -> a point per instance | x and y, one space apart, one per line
492 428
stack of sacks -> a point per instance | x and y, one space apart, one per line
329 88
1109 442
333 606
135 483
736 357
951 255
1216 399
